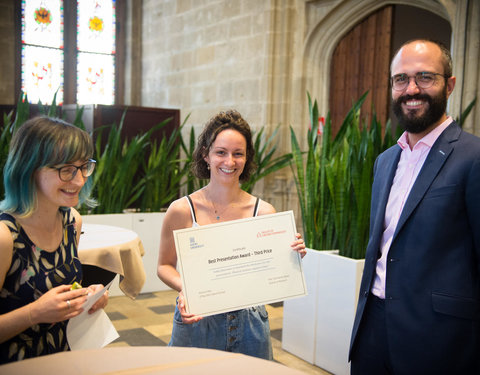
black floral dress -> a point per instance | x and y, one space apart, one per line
32 273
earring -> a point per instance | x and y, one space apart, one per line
208 166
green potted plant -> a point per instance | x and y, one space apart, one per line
333 180
134 181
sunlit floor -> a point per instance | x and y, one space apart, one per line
147 321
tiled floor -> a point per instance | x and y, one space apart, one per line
147 321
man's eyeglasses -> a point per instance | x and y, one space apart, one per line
68 172
423 80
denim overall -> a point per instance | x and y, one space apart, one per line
245 331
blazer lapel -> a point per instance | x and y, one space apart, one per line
385 186
437 156
384 173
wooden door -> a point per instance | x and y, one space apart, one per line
360 63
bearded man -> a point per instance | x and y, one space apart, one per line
419 305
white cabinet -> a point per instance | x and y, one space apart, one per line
317 327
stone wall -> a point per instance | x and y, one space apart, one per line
206 56
7 46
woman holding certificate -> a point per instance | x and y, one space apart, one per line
224 155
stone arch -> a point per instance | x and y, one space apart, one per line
320 43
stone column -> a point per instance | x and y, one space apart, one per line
466 55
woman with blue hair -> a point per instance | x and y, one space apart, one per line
45 176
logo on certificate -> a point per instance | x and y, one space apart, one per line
194 244
270 232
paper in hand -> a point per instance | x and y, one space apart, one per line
91 331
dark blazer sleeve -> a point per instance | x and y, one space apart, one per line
472 198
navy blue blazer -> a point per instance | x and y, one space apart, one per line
432 302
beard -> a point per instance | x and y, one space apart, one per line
414 123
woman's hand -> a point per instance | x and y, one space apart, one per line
186 318
58 304
299 245
102 301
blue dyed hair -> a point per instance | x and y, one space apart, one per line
41 142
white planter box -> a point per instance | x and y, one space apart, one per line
148 227
317 327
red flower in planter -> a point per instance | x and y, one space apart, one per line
321 124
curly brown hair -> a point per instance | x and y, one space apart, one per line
224 120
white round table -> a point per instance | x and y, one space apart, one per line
117 250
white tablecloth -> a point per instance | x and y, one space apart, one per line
142 360
117 250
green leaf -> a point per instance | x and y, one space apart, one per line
466 112
267 163
333 179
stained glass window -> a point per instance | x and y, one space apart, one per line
95 78
42 50
96 52
44 57
42 74
96 26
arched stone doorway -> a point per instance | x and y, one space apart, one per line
321 42
361 60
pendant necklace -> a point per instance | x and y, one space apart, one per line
217 212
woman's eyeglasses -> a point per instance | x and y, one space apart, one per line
68 172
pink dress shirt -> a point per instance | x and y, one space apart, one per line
408 168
